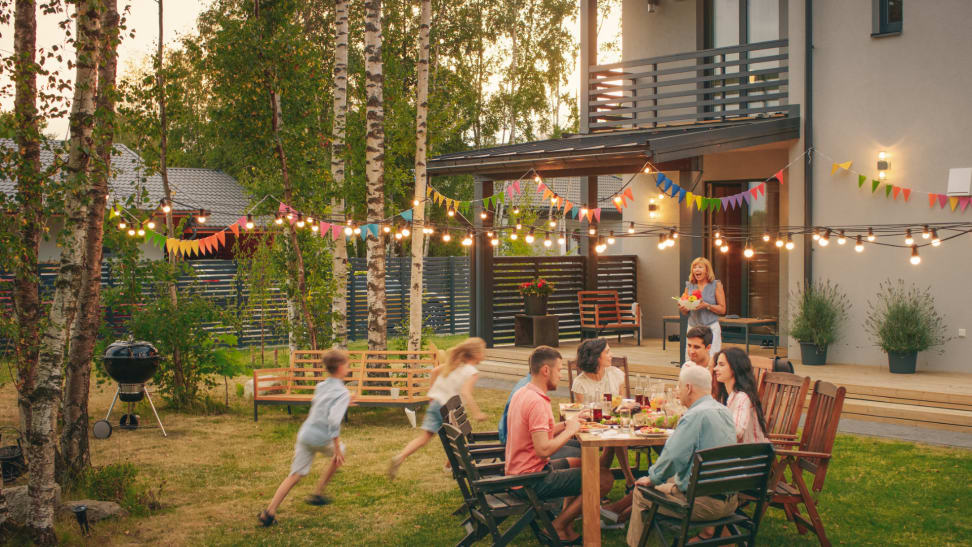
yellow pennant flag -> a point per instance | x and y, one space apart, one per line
170 244
195 247
689 199
698 202
184 244
428 191
953 202
846 165
834 168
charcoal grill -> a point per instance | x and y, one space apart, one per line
131 364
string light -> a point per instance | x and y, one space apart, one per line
908 239
519 226
673 233
859 246
489 233
483 215
748 251
446 237
661 195
915 259
583 212
592 230
494 242
529 237
202 217
841 239
451 212
356 231
516 210
554 200
415 203
300 220
648 170
766 237
870 234
405 231
631 229
310 220
150 224
386 229
718 239
617 200
553 223
561 239
661 242
779 241
600 247
789 243
348 230
131 232
249 221
537 179
290 215
514 236
467 241
825 239
934 237
122 225
278 219
398 236
546 241
141 232
314 227
724 248
166 208
925 234
816 235
610 239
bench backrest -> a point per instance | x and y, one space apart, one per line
598 308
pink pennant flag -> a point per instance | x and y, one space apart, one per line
335 231
779 176
964 202
516 186
241 222
541 187
597 214
942 200
509 192
283 208
323 227
931 199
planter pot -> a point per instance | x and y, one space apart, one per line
902 362
535 305
811 354
394 392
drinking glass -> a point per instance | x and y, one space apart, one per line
624 418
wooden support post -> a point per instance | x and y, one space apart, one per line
589 199
482 267
689 247
588 57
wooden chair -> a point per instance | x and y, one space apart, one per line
761 365
492 499
782 396
601 311
715 471
813 456
620 362
453 412
495 452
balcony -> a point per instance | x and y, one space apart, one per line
740 82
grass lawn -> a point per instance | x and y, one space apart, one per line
217 471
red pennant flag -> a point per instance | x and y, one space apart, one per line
541 187
597 214
779 176
235 228
931 199
761 188
895 190
221 237
942 200
907 193
754 192
241 222
628 194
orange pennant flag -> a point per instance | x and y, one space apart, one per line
628 194
221 236
895 190
907 193
932 198
235 228
568 206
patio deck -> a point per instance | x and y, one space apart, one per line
941 400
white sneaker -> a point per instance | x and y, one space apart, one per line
393 466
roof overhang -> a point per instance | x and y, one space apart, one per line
618 152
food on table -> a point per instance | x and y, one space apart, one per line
572 406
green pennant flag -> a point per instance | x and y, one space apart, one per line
711 206
874 185
887 190
501 197
717 203
860 180
488 202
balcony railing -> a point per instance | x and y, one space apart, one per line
744 81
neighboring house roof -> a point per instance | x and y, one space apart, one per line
192 187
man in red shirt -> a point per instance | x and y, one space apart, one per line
533 437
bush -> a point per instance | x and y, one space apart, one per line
821 307
118 482
904 319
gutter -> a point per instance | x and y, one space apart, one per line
808 143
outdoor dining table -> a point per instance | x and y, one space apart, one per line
591 474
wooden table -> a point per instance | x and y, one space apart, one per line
536 330
591 475
746 322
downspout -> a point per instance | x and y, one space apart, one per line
808 142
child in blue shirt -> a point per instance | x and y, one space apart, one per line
319 434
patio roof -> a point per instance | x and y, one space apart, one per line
616 152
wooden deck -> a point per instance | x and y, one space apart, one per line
927 399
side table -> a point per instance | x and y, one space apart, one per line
536 330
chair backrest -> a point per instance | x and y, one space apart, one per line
761 365
620 362
782 396
820 429
731 468
601 304
457 444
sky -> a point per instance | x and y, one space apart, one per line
179 19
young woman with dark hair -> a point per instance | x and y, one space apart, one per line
737 390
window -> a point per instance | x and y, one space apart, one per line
888 15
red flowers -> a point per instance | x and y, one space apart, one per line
537 287
697 293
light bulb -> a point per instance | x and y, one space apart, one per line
314 227
617 200
825 239
513 236
789 243
278 219
300 221
290 215
537 179
494 242
131 231
748 251
398 236
467 241
446 237
631 229
406 232
859 246
202 217
547 242
882 175
673 233
841 239
610 239
249 222
386 228
561 239
519 226
451 212
356 231
553 200
779 241
141 232
489 233
166 208
908 239
870 234
652 214
122 225
516 210
718 242
415 203
483 215
934 237
648 170
724 248
529 236
915 259
661 242
661 195
766 237
882 155
583 212
348 230
925 234
816 235
553 223
150 225
310 220
592 231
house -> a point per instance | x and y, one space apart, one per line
217 195
728 97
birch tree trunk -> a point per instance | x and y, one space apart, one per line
375 173
75 455
338 146
418 211
46 393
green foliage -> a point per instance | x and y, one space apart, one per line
904 319
821 307
118 482
538 287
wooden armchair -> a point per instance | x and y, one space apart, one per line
601 311
782 396
813 456
620 362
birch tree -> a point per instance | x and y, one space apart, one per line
338 150
375 174
46 393
75 454
418 209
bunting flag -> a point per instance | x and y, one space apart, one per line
895 191
860 181
844 165
874 185
374 229
725 202
235 228
335 231
906 192
953 202
567 207
779 176
516 186
221 237
942 200
597 214
964 202
698 202
628 194
407 215
932 198
689 198
887 190
681 195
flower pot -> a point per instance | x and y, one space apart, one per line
811 354
394 392
902 362
535 305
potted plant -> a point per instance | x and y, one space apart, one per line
903 321
820 309
535 295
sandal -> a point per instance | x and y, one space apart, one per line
699 537
266 519
318 500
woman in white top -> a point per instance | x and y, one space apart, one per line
737 390
599 376
457 376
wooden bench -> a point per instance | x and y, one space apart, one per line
374 379
601 311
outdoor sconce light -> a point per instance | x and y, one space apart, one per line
652 210
883 164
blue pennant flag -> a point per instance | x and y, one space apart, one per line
364 231
374 229
660 179
676 189
407 215
668 184
681 195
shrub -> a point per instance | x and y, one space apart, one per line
118 482
821 307
904 319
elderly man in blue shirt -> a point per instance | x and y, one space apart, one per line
706 424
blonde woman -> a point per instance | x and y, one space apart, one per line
702 278
456 376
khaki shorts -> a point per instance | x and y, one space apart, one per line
304 456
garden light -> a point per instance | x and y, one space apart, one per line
915 259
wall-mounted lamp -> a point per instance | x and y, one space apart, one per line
652 210
883 164
652 6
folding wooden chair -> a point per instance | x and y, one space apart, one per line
715 472
495 452
813 456
493 500
782 396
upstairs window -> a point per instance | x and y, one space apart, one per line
887 17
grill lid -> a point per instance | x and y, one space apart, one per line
131 362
